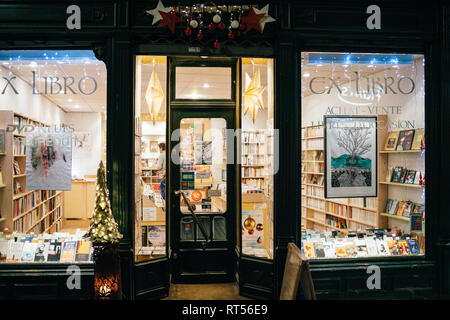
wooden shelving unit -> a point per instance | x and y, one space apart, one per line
151 176
27 211
319 213
254 156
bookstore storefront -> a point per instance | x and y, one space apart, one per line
310 132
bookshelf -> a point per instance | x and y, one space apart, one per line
319 213
151 176
254 158
26 211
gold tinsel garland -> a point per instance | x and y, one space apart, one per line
103 227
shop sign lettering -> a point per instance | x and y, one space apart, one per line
363 85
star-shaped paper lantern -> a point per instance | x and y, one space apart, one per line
253 96
170 20
154 96
253 20
156 13
266 18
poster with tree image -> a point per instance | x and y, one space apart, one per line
350 156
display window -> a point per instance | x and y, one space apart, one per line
52 139
362 155
150 157
258 163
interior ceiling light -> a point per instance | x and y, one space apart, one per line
154 96
253 95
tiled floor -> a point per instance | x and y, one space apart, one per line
215 291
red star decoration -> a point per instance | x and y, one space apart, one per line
252 21
170 20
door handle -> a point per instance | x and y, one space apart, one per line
202 229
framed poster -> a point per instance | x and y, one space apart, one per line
154 146
350 156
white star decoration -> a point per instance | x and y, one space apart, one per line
266 18
155 12
154 96
253 95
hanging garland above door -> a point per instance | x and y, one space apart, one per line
211 21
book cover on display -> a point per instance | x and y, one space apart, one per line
405 139
15 251
41 251
410 176
83 250
350 249
54 251
397 174
361 248
330 251
308 248
340 248
68 251
403 247
418 137
413 247
391 141
319 249
382 247
157 235
29 251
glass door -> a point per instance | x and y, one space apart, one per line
203 206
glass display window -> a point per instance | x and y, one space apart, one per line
52 139
362 155
150 157
257 153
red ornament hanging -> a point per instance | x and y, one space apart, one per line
221 26
252 20
188 32
211 26
217 44
242 26
230 35
170 20
200 35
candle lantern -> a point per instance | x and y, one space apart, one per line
107 272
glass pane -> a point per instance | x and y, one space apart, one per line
258 143
203 164
150 161
52 139
203 83
363 155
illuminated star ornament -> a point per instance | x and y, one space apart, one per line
169 19
253 96
266 18
154 96
156 13
253 20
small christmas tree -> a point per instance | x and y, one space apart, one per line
103 228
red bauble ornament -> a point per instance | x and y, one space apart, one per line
241 26
251 231
221 26
217 44
200 35
211 26
188 32
252 20
231 35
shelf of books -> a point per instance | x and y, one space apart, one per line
254 158
401 182
405 179
319 213
24 211
52 248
